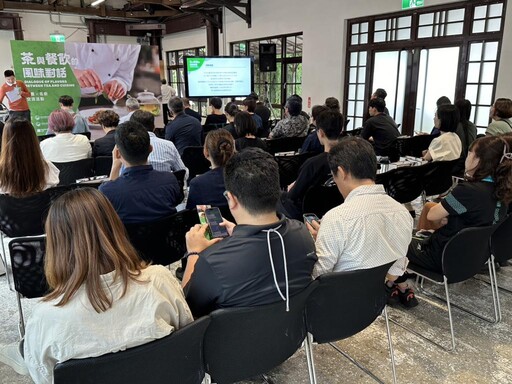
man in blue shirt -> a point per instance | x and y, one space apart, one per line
139 193
184 130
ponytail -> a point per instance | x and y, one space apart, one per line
220 145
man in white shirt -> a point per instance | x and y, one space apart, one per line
131 105
168 92
370 228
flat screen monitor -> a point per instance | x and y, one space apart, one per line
218 76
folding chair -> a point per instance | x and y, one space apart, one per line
331 316
102 165
405 184
285 144
463 257
320 199
244 342
195 161
74 170
174 359
289 167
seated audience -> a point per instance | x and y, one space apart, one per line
312 143
247 268
315 170
479 201
466 130
333 104
138 193
102 298
184 130
262 111
246 131
23 169
132 104
380 128
216 119
65 146
66 104
189 111
370 228
230 110
294 124
447 146
164 157
249 106
209 188
109 120
379 93
443 100
500 113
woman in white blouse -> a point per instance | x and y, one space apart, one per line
23 169
447 146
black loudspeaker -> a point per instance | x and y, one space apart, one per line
268 58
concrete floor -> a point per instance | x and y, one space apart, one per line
483 355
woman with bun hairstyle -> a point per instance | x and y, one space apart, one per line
500 113
208 188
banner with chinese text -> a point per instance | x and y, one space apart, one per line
45 69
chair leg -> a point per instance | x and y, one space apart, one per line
21 326
390 343
452 333
4 257
308 346
494 288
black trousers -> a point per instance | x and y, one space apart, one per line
419 253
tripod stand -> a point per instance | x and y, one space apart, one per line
266 101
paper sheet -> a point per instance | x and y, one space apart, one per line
13 95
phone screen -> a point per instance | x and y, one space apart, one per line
309 217
214 218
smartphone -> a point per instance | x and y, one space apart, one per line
309 217
214 218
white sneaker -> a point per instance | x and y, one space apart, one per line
10 355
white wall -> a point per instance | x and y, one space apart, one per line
190 39
5 48
38 27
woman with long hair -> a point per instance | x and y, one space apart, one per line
102 298
208 188
23 169
481 200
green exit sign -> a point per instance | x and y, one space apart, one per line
406 4
58 38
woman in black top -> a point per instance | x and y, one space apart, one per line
230 110
208 188
216 119
246 131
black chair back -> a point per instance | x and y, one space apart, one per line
44 137
501 241
102 165
174 359
244 342
438 178
320 199
404 184
195 161
27 263
162 241
289 167
180 176
345 303
86 134
74 170
285 144
413 146
466 253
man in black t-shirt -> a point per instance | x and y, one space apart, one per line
380 127
247 268
315 170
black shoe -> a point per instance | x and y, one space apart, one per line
407 298
179 273
393 295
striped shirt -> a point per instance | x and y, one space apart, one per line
165 157
368 230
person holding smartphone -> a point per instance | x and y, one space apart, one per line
239 270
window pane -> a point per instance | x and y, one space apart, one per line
355 28
456 15
488 71
482 116
493 25
353 75
485 96
479 26
454 29
426 18
364 38
358 122
364 27
362 58
496 10
360 92
359 108
352 92
480 12
403 34
353 59
379 37
380 25
354 40
351 108
424 32
491 51
471 93
362 75
475 52
404 22
473 72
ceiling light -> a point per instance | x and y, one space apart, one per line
97 2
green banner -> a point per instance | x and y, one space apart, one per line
406 4
45 69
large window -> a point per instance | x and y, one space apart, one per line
176 74
419 55
286 80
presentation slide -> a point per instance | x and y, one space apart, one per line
219 76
